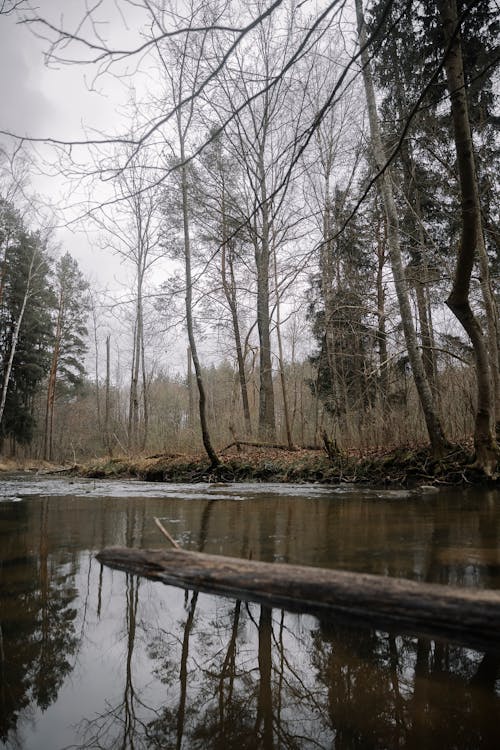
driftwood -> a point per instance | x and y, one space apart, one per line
469 616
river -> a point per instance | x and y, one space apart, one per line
96 658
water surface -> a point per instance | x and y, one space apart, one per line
95 658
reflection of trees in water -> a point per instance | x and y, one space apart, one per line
245 682
121 724
241 676
232 675
401 691
36 622
229 675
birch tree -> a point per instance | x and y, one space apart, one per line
25 325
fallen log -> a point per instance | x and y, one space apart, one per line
259 444
466 615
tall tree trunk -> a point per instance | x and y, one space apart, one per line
145 404
190 388
207 444
434 428
381 334
15 339
492 323
49 410
96 370
471 232
229 288
51 386
421 270
136 366
133 397
286 411
107 399
327 276
267 423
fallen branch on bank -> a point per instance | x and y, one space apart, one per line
469 616
257 444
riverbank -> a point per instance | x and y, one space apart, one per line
403 466
408 466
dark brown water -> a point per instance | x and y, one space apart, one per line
94 658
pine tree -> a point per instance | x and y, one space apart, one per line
415 63
67 369
25 323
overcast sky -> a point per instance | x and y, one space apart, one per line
42 101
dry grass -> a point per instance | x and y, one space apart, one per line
404 466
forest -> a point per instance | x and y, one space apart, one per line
302 201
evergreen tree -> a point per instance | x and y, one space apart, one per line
25 323
340 313
67 369
414 65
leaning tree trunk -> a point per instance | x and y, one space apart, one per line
207 444
421 278
434 428
471 230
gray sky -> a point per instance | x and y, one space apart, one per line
55 101
42 101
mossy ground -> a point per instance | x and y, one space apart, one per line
403 466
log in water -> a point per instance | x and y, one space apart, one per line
467 615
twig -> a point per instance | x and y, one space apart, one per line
165 533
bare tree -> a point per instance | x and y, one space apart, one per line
263 139
131 228
182 80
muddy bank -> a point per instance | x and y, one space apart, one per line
402 466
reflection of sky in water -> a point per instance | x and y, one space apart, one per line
126 691
355 686
95 692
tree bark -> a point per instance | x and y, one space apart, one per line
281 359
471 231
434 427
381 316
15 339
207 444
468 615
421 271
229 288
107 400
51 386
267 423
